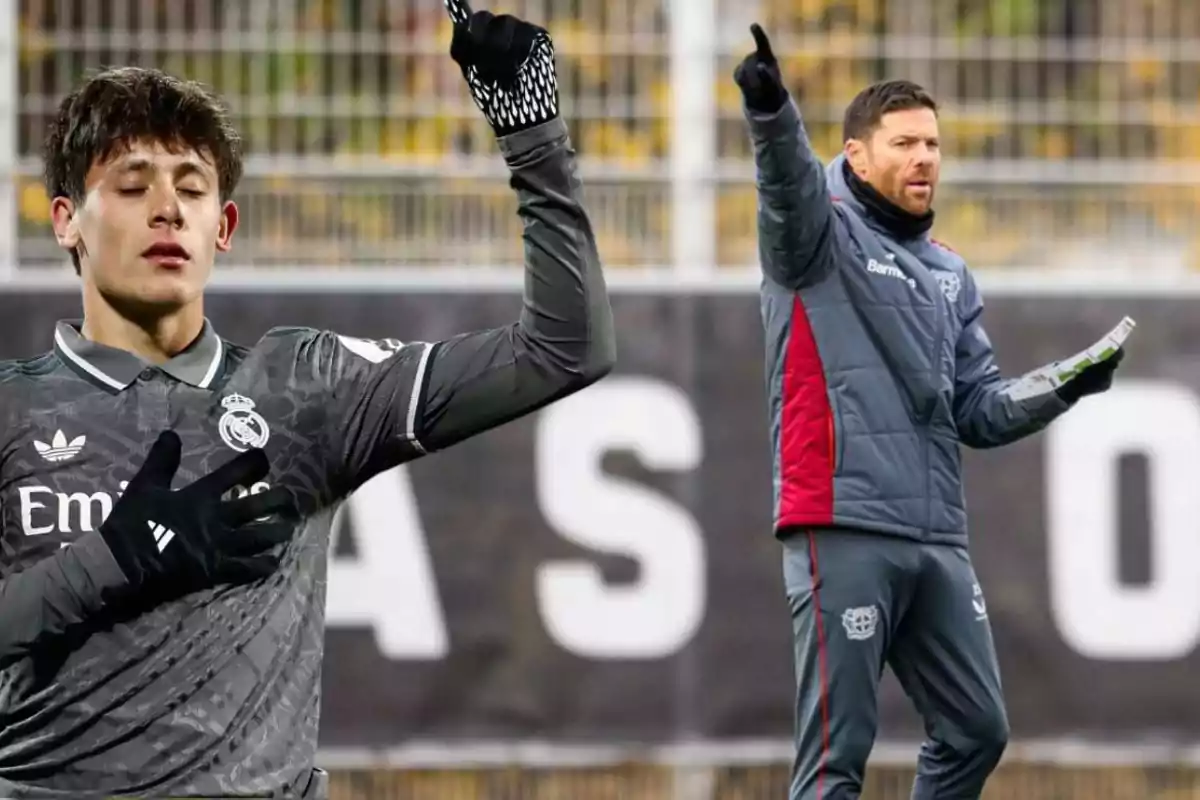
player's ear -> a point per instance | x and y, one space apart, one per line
229 223
65 222
856 155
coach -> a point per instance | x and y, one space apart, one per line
878 371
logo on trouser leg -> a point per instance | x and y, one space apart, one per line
978 603
860 622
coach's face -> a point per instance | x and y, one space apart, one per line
149 226
902 158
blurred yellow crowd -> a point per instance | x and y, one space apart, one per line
1068 124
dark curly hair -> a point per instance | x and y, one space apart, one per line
117 107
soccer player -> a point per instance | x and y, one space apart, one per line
153 651
878 371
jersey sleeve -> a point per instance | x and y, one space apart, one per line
393 402
47 598
370 394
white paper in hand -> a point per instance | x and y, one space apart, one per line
1047 379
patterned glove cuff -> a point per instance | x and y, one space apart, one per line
532 99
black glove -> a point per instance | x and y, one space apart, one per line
509 67
759 78
1092 379
190 538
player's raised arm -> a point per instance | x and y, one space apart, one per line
563 339
795 212
426 397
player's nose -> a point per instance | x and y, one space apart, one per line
165 209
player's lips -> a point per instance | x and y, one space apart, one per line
167 254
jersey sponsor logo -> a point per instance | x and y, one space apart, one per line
59 448
241 427
890 270
45 511
375 351
860 623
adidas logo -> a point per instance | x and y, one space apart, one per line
162 535
59 448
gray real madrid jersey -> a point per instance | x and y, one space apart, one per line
217 693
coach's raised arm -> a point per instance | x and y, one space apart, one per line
795 216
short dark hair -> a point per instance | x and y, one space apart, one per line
116 107
865 111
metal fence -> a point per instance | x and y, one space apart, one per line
1072 125
365 148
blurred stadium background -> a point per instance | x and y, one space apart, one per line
1072 124
1072 128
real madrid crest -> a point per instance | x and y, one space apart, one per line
242 427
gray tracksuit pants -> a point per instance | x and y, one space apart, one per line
860 601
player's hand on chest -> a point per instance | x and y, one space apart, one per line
62 471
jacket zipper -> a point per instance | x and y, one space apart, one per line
935 364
